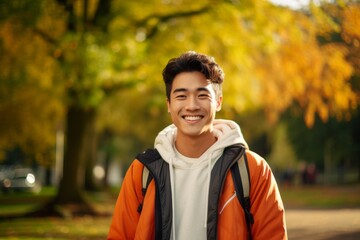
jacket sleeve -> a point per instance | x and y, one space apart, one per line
125 217
266 203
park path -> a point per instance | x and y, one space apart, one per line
336 224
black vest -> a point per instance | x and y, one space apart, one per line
159 170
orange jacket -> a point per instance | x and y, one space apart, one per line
266 206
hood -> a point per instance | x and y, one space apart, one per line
227 132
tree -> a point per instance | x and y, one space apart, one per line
336 140
307 72
29 102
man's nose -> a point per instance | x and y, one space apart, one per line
192 104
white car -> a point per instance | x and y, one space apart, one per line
18 179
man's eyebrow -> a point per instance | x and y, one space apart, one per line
203 89
185 89
180 90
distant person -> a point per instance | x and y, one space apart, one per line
311 174
191 194
308 174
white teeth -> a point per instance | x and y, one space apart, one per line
192 118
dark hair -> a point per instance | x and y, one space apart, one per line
192 61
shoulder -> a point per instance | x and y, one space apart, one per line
254 158
134 172
136 168
257 164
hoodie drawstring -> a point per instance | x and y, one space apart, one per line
207 189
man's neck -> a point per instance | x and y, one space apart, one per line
194 147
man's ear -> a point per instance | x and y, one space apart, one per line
219 103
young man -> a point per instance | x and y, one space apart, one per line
192 193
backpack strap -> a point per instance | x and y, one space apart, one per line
146 179
241 178
245 178
146 176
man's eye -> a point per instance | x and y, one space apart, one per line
180 97
204 96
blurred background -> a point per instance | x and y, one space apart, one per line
81 94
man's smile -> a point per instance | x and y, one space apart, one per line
192 118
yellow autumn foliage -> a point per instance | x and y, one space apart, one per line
305 72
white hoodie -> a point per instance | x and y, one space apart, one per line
190 177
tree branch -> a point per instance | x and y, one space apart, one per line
46 37
166 18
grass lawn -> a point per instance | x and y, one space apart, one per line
321 197
87 228
91 228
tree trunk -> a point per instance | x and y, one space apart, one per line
91 154
79 122
69 200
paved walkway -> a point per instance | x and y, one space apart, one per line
339 224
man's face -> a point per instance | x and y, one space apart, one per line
193 104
